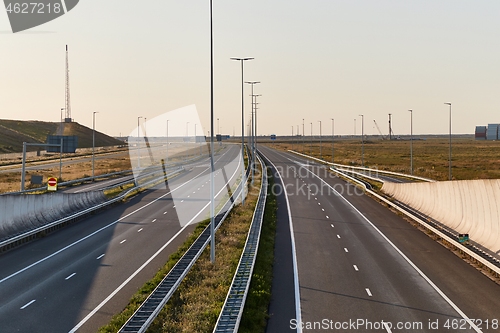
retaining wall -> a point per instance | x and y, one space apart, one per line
20 213
466 206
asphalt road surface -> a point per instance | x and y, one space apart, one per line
75 279
362 268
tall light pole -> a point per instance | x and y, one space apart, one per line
255 117
252 133
167 144
187 140
411 141
310 152
333 135
320 148
362 140
292 137
93 145
218 126
138 143
354 126
303 138
212 191
449 158
241 60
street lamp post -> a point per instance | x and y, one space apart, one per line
292 137
303 138
93 145
252 145
449 158
362 140
320 148
166 163
333 135
212 166
241 60
311 149
187 140
411 141
138 143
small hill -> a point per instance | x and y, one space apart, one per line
14 132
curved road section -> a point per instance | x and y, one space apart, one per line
362 268
74 280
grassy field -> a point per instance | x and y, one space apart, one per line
470 159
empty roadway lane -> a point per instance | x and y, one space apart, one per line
362 268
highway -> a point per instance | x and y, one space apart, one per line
75 279
362 268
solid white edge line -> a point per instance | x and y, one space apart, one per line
98 307
420 272
298 310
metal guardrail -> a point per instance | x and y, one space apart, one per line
32 233
232 311
364 169
475 252
151 307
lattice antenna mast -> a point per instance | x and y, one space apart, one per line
67 119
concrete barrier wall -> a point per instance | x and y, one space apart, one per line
467 206
21 213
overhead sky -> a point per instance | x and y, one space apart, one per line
316 60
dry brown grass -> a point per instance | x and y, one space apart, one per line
471 159
11 181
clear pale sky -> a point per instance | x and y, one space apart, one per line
316 59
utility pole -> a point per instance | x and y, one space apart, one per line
333 136
320 148
449 158
362 140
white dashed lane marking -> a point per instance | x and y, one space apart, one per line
27 304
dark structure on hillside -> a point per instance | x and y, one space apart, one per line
70 143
